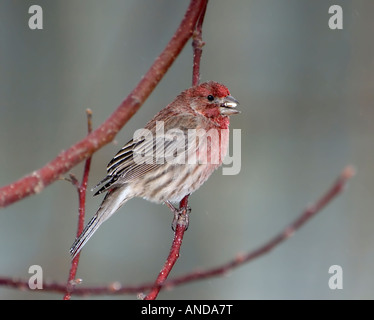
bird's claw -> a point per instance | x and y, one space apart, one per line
181 216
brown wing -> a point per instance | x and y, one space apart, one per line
145 153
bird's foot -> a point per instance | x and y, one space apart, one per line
181 216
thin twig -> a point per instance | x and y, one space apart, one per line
197 45
82 190
289 231
173 254
239 260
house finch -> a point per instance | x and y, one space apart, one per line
171 157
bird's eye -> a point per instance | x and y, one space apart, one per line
210 97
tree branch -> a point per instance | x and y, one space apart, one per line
82 190
36 181
239 260
197 45
289 231
174 252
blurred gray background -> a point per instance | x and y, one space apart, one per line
306 95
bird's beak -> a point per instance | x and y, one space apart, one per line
228 106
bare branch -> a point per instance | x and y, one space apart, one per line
239 260
82 190
36 181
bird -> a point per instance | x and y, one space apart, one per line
171 157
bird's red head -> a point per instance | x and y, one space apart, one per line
213 100
214 88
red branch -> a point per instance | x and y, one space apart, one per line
39 179
239 260
174 252
82 188
197 45
289 231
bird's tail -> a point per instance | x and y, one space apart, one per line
113 200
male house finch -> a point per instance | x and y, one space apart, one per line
165 167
